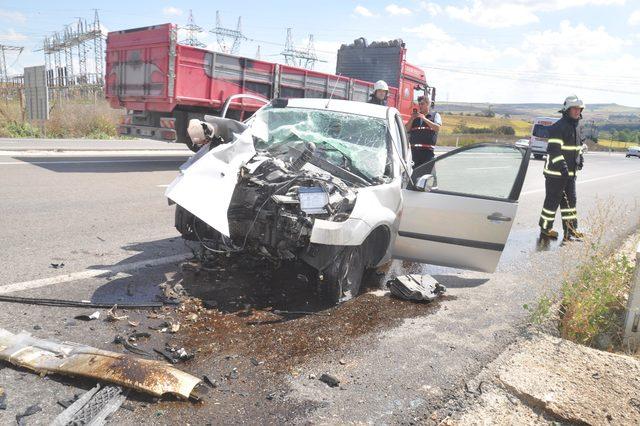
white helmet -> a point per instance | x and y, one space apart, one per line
572 101
380 85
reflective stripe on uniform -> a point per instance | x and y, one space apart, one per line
543 217
567 210
548 211
558 158
571 148
569 217
551 172
558 141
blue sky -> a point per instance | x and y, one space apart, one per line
472 50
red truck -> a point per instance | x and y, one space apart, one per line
163 84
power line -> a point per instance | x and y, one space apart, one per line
531 80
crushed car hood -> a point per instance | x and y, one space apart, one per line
206 182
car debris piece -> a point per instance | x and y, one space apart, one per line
75 303
74 359
57 265
416 287
131 348
30 411
86 317
112 316
329 380
93 407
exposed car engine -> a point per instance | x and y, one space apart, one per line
274 204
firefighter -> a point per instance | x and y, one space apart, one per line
564 159
380 93
423 127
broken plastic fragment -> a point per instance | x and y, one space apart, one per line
74 359
85 317
416 287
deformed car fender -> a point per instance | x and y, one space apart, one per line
375 206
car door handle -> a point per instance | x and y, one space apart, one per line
498 217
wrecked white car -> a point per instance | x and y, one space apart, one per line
330 184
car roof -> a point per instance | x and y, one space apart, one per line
338 105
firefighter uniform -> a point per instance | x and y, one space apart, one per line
564 159
423 139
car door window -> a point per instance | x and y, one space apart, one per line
489 171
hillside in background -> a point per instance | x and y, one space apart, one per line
611 113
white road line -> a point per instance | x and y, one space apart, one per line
580 182
91 273
13 163
162 186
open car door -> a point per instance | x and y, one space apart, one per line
460 212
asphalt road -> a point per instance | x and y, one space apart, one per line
104 216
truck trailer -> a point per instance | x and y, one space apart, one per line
162 84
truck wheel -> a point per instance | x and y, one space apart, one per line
342 280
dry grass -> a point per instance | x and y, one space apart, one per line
590 306
452 122
74 119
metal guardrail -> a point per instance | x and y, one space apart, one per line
632 321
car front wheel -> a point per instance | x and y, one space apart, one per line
342 280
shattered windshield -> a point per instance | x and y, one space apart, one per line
353 142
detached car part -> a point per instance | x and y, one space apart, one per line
73 359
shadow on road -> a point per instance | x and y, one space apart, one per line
106 164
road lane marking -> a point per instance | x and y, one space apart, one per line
162 186
92 273
580 182
20 162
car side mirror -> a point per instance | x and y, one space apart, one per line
425 182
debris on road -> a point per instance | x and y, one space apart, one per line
112 316
75 303
67 358
416 287
86 317
57 265
94 407
174 355
30 411
131 348
330 380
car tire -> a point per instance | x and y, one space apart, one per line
342 280
537 156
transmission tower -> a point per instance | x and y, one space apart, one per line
192 32
4 77
79 43
222 33
305 58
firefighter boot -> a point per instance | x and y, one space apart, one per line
571 233
549 233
